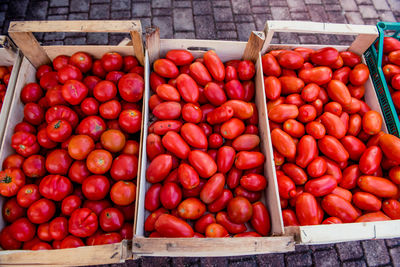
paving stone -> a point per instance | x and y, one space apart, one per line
185 261
300 15
394 242
57 17
395 254
317 13
75 41
182 4
223 14
97 38
298 260
243 18
146 22
259 3
165 25
221 3
141 9
37 10
79 6
58 3
313 2
162 11
271 260
205 28
328 39
260 20
376 252
280 13
161 3
158 261
244 30
183 19
225 26
275 40
296 5
58 11
277 3
116 38
354 18
333 8
184 35
364 2
368 12
349 250
289 38
53 42
394 4
17 8
371 21
259 10
241 6
121 15
227 35
99 11
387 16
78 16
381 4
336 16
348 5
359 263
202 8
308 39
213 261
326 258
75 34
244 262
53 36
120 4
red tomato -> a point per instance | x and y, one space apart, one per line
246 70
239 210
21 230
49 80
165 68
180 57
71 242
99 161
111 61
270 65
82 223
152 198
214 65
202 163
41 211
111 219
74 92
170 195
27 195
233 228
159 168
213 188
378 186
31 93
333 149
12 211
60 112
58 130
34 166
130 120
69 204
392 208
191 208
13 161
261 219
325 56
170 226
188 177
131 87
58 228
11 181
290 59
110 110
390 146
68 73
7 241
283 143
95 187
307 209
33 113
124 167
339 207
58 162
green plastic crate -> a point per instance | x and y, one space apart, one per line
374 62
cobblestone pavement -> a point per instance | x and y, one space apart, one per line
225 20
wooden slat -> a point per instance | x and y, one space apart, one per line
366 34
21 33
197 247
30 47
76 26
254 45
88 255
153 43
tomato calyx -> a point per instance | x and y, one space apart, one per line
22 147
57 125
7 179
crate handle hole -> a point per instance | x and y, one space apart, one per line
195 48
381 25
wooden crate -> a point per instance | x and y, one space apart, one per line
206 247
34 56
9 56
365 36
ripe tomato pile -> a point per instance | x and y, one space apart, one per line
391 68
206 169
5 73
333 163
72 180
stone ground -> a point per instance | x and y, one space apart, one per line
225 20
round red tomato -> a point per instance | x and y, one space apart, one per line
93 126
25 143
80 146
44 140
11 180
90 106
12 211
49 80
83 222
131 87
97 206
113 140
22 230
124 167
111 61
69 204
7 241
58 162
82 61
123 193
99 161
74 92
60 61
78 171
107 238
239 210
13 161
59 228
59 130
130 120
111 219
104 91
55 187
31 93
34 166
71 242
69 72
33 113
110 110
95 187
41 211
25 127
27 195
39 73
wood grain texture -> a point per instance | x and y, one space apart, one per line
153 43
253 46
